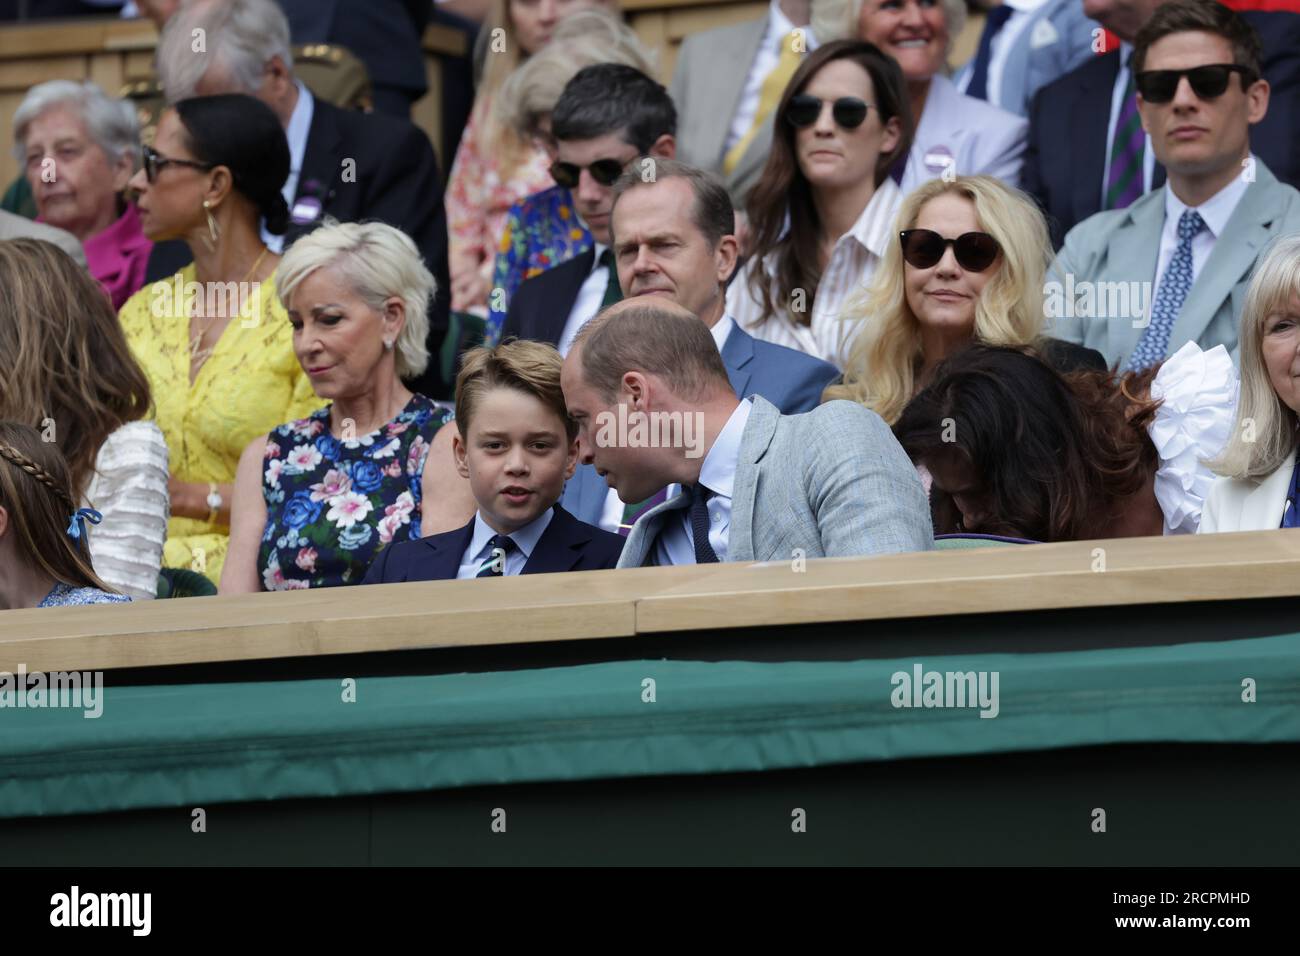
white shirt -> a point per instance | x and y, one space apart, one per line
1001 46
587 304
769 52
1116 104
676 542
525 539
1216 211
296 133
129 488
611 517
853 262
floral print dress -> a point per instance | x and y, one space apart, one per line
332 505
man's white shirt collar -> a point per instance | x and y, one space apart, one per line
1218 209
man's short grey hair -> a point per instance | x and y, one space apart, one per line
376 261
712 214
838 19
111 123
239 37
581 39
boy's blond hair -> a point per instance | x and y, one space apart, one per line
529 367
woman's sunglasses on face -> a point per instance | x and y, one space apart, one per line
804 110
1208 82
923 248
155 161
604 171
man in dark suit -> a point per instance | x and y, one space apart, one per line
346 165
1073 166
607 116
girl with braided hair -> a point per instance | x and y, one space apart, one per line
44 561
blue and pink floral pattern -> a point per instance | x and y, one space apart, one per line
332 505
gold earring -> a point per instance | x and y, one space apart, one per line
214 231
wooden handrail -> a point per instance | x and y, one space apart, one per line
626 603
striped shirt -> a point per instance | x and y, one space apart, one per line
853 262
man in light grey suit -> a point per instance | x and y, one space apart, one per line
717 87
654 407
19 227
1138 283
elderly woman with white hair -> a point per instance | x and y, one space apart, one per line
954 134
79 149
316 500
1259 484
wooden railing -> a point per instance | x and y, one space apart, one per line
636 602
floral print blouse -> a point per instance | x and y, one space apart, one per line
332 505
541 231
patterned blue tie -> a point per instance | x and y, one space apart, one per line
704 553
1174 285
494 565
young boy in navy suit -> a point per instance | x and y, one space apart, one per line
517 445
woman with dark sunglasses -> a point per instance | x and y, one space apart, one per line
821 214
214 341
966 265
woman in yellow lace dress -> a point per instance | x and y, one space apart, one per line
214 340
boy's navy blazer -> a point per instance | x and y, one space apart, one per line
567 544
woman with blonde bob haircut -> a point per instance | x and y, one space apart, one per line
966 265
317 499
1258 469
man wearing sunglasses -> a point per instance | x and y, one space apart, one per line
1087 151
1193 243
607 116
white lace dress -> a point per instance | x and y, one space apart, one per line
129 487
1198 392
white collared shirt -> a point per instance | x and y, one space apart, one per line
676 542
296 133
769 52
1000 48
1117 104
1216 211
611 517
587 304
525 539
853 262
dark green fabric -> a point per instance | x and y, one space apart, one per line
18 198
464 332
192 745
182 583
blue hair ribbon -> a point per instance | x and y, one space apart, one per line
77 526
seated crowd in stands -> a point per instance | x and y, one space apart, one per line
793 303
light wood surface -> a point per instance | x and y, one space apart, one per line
602 604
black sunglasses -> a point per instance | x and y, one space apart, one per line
1208 82
154 161
804 109
923 248
604 171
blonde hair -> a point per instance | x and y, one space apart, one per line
377 261
588 37
883 360
526 366
838 19
1260 412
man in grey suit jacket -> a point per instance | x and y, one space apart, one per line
673 238
1138 283
654 407
19 227
716 87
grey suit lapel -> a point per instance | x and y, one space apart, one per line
728 65
1230 260
1133 252
645 533
754 443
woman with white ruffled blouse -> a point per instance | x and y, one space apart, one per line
1259 469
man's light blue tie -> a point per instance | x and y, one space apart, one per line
1174 286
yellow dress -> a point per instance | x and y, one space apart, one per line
250 384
